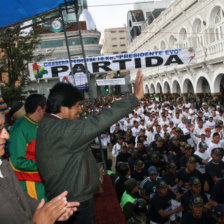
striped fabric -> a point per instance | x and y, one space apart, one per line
3 106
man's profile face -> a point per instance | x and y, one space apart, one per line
73 112
197 211
4 135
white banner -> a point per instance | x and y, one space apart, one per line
102 64
110 82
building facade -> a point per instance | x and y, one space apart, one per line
53 44
115 41
195 24
143 14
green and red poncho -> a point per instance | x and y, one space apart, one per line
22 156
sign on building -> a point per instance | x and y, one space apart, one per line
102 64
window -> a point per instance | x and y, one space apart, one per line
113 31
51 44
137 16
90 40
122 45
162 45
114 45
198 34
121 31
114 38
216 25
183 38
74 41
219 24
122 38
172 42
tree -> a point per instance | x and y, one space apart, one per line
17 49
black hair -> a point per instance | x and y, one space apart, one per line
123 169
33 101
215 134
62 94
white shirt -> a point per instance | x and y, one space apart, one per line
135 131
204 156
127 125
116 150
210 125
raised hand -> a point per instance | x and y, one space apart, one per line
139 90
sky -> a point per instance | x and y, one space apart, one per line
110 16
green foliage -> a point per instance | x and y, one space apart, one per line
17 48
12 94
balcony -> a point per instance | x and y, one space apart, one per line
214 52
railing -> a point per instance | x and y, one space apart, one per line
212 51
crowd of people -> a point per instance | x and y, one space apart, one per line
48 169
168 160
165 157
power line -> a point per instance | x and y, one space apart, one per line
116 4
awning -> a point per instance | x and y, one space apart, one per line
15 11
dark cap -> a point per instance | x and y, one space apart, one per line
194 181
203 145
119 137
219 210
161 184
187 146
154 156
129 133
139 163
150 150
197 201
157 136
217 151
140 206
130 184
178 130
152 170
135 151
167 135
175 138
191 159
123 146
144 136
159 139
171 165
182 144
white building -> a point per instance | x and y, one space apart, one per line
142 15
115 41
184 24
53 42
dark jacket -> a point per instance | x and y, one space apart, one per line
16 207
63 154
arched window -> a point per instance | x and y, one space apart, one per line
162 45
172 42
219 24
183 38
198 34
216 24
